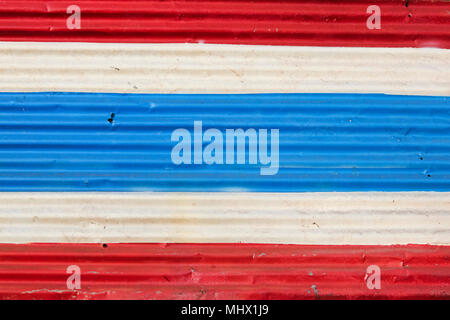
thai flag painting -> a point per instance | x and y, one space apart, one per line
216 149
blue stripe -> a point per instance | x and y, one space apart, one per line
328 142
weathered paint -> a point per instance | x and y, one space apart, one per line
381 218
195 68
223 271
412 23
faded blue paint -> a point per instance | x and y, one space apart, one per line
328 142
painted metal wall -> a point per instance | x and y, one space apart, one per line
186 271
360 107
110 142
353 218
231 69
406 23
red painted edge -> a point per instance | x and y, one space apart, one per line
223 271
413 23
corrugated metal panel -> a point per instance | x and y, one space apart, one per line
336 142
184 68
158 271
328 142
297 218
318 23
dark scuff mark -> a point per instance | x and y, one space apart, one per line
111 117
316 292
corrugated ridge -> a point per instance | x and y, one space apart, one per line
190 68
222 271
321 23
298 218
112 142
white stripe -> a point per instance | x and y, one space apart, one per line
202 68
297 218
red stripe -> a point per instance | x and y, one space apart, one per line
223 271
314 23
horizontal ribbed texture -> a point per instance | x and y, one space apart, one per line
186 271
194 68
112 142
302 218
320 23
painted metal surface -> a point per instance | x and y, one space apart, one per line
354 218
212 271
112 142
87 117
423 23
194 68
